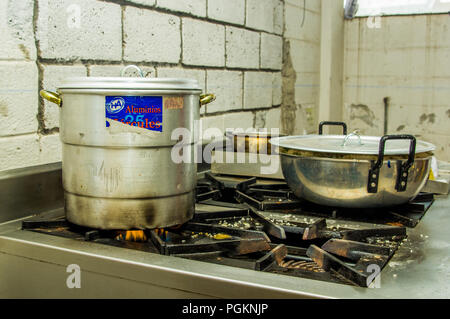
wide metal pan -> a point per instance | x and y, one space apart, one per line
352 170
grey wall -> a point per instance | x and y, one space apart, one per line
402 61
234 48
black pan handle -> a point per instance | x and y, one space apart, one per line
403 168
344 126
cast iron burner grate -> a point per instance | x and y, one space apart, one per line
270 196
260 225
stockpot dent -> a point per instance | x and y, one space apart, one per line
116 133
352 170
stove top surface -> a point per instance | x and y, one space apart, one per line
259 225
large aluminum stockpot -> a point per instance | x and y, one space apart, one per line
117 151
354 171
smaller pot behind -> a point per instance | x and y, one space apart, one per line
251 141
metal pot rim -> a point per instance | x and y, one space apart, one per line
259 133
356 159
129 83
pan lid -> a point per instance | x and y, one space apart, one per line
350 144
130 83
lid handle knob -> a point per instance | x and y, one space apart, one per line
132 66
347 137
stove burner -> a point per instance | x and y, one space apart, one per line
272 196
301 264
367 258
194 238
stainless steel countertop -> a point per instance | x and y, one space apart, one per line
34 265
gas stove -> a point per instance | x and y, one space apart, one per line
259 224
250 237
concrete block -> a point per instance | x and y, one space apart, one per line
307 88
439 58
79 29
440 88
393 33
271 51
50 149
260 14
232 11
257 90
19 151
16 30
222 122
18 98
227 86
53 75
151 36
309 112
297 27
273 119
305 56
442 143
411 62
194 7
242 48
440 33
278 17
270 119
149 3
400 89
368 119
203 43
351 30
196 74
298 121
418 119
277 83
351 64
312 6
115 70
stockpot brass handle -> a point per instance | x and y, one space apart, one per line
206 98
56 98
51 96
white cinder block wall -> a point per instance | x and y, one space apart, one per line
301 66
403 62
234 48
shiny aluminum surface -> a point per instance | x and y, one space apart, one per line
131 164
343 183
122 176
82 121
119 213
364 145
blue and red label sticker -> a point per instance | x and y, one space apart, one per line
139 111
